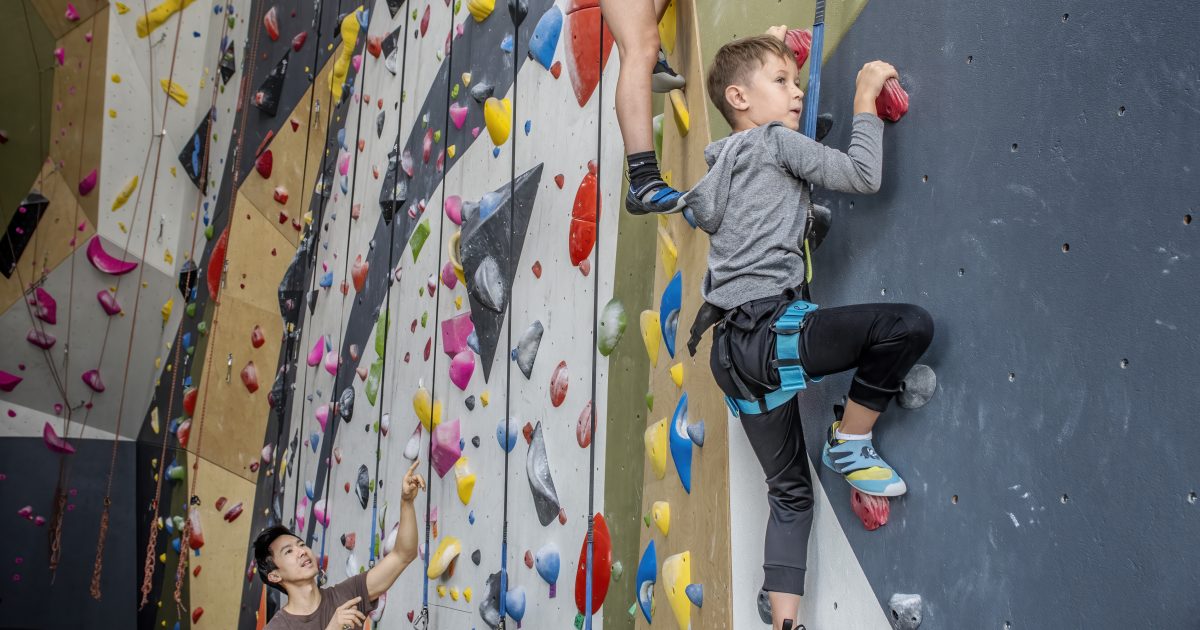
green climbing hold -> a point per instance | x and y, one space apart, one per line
190 310
612 327
578 621
650 401
371 388
658 135
381 332
646 519
208 232
454 91
457 6
202 327
418 238
437 136
424 318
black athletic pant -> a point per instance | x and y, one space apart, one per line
882 341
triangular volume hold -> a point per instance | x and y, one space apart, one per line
267 97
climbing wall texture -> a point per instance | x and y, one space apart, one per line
264 255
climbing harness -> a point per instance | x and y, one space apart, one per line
792 379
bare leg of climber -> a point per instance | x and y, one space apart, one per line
857 419
784 606
634 25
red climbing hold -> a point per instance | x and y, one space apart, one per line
234 512
872 510
359 273
183 433
374 45
196 614
425 21
264 163
537 269
583 428
527 431
800 41
257 338
281 195
556 69
271 21
583 20
250 377
559 180
528 559
892 103
583 220
601 567
558 384
189 400
298 40
216 265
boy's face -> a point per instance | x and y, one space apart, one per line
769 95
294 561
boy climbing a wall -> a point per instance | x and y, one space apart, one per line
286 564
755 205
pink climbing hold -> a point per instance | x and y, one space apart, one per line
41 339
314 355
871 510
462 366
72 14
453 208
583 428
60 55
558 384
322 415
427 145
344 164
9 382
108 302
446 437
45 306
87 184
92 379
800 42
232 513
458 115
331 362
271 22
892 103
448 277
455 332
250 377
425 21
56 443
105 262
298 42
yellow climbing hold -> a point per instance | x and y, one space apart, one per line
175 91
454 593
668 176
116 78
154 419
467 594
677 374
679 107
158 15
656 447
123 196
466 79
677 574
112 113
651 335
441 590
341 67
666 28
481 9
451 150
121 224
122 9
427 409
465 479
497 115
667 250
168 258
485 398
458 303
166 310
661 512
446 552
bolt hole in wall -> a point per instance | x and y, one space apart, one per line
1014 147
925 178
1121 110
1066 16
1064 499
1192 497
1012 376
1066 247
970 59
954 500
1187 218
961 272
1124 363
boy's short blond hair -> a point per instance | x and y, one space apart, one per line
734 63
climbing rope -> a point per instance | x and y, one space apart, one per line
595 332
422 620
387 300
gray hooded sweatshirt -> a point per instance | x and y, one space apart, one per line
754 203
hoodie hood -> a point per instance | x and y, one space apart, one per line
709 197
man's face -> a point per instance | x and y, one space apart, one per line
772 94
294 561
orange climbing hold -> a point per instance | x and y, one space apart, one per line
359 273
585 57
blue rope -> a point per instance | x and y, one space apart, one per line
814 72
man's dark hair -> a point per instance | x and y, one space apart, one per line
262 553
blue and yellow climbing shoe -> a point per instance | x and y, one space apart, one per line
665 79
861 465
654 197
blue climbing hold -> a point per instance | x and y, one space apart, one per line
514 604
507 44
326 280
668 311
315 440
308 489
681 444
471 517
545 37
488 204
695 592
547 562
647 573
509 441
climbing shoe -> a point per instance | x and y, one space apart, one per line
665 79
654 197
861 465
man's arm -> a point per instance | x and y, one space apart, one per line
385 572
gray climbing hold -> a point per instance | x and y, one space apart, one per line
488 286
362 489
379 120
696 432
473 344
482 91
906 611
489 608
764 607
475 441
918 387
476 557
527 348
470 403
541 483
346 404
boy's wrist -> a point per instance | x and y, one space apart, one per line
864 105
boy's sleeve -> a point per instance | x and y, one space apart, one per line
858 170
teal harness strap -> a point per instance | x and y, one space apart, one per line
787 361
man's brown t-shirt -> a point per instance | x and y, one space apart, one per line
331 598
